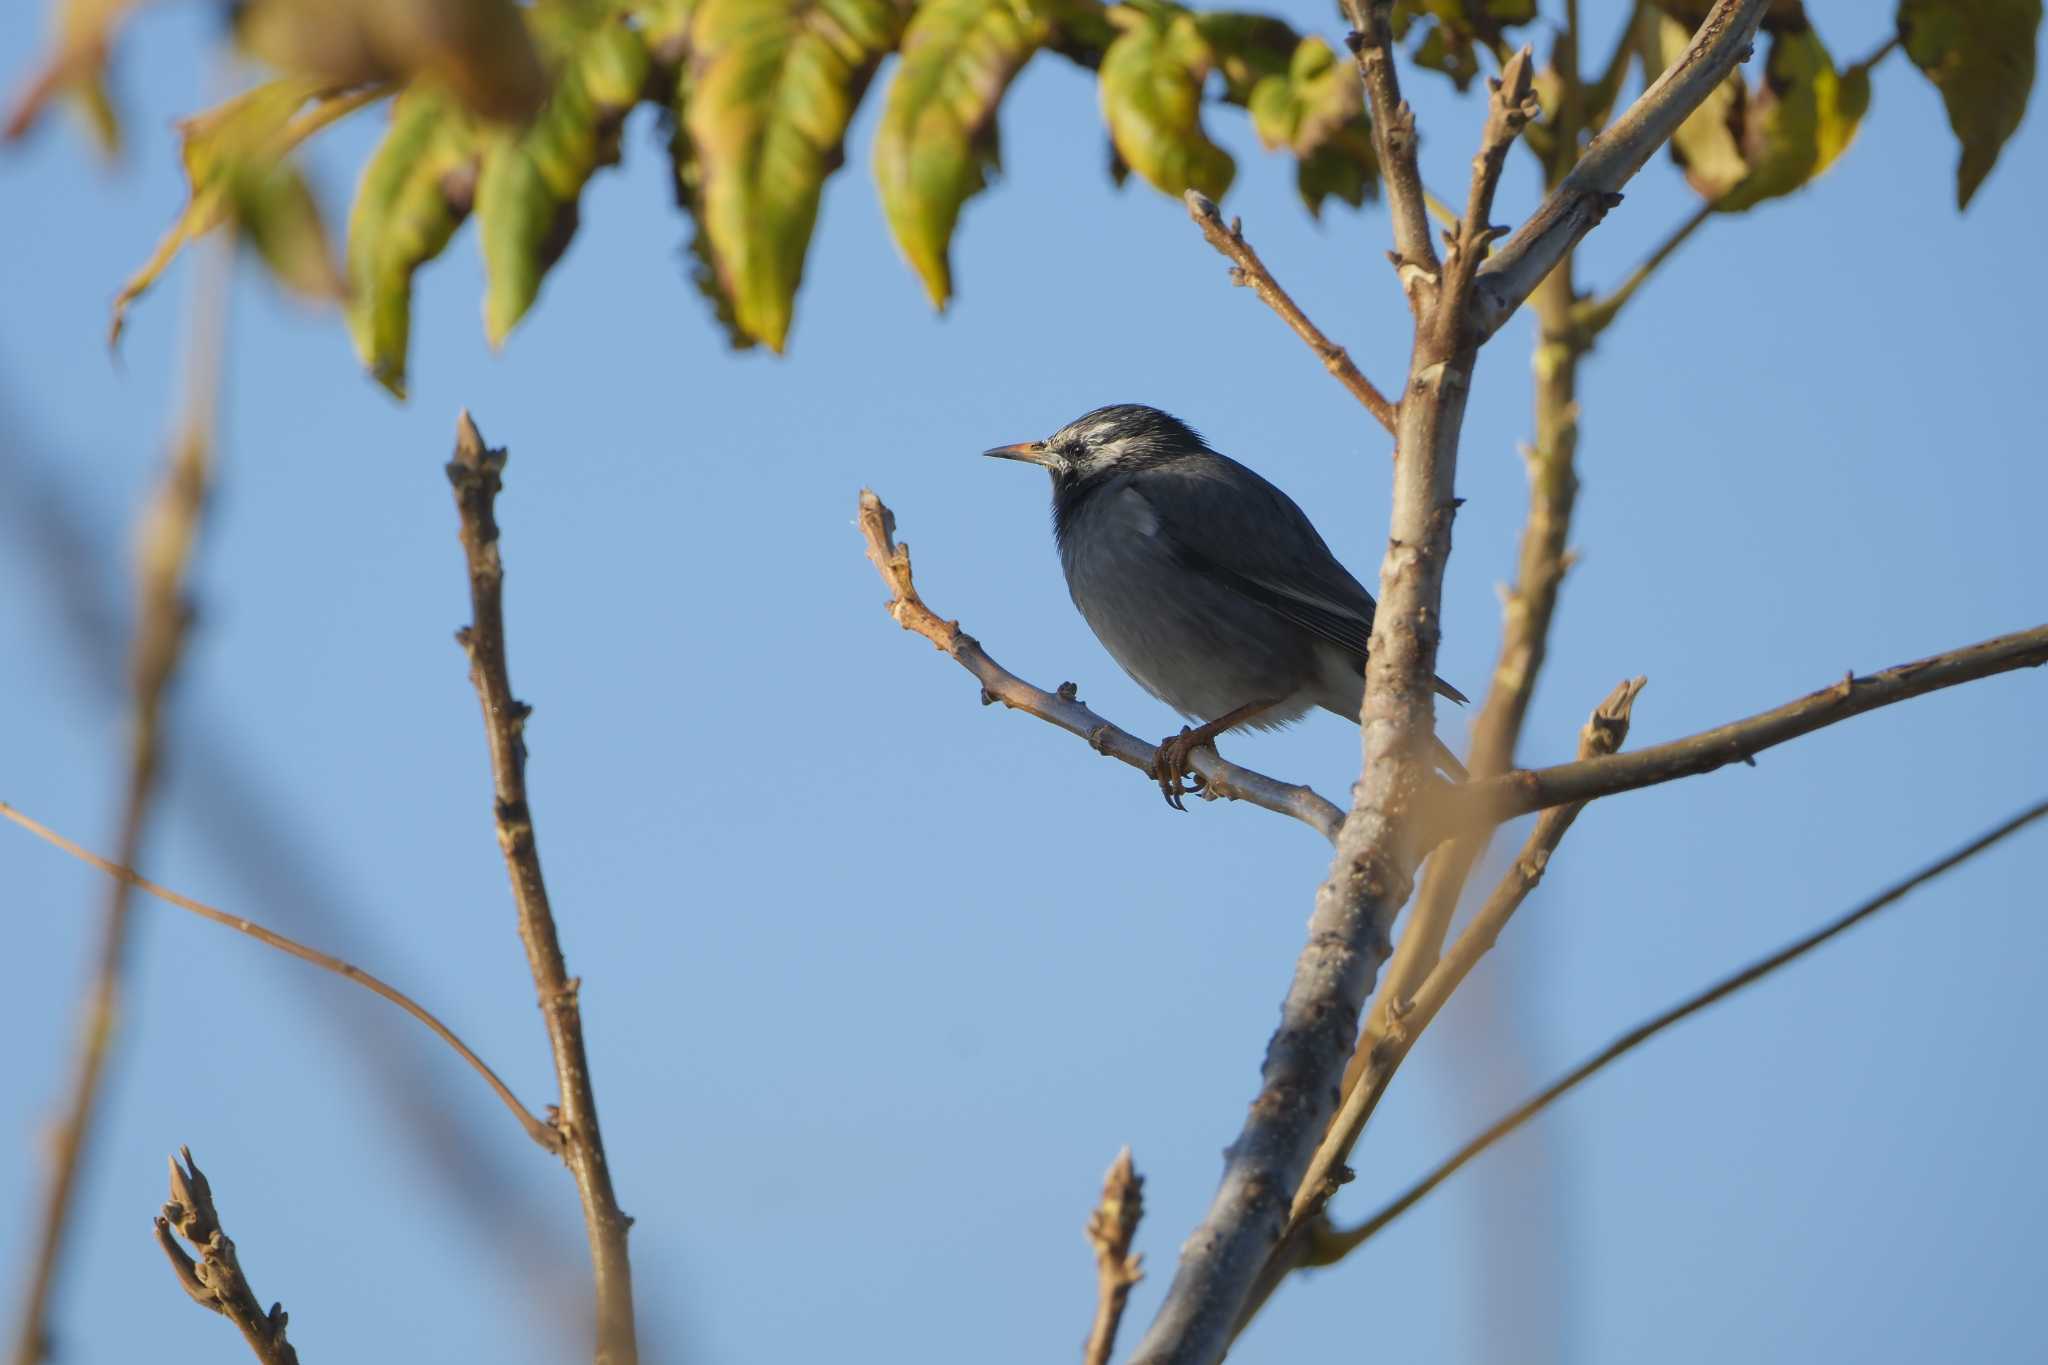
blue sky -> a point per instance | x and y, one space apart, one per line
877 981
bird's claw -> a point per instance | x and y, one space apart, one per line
1170 766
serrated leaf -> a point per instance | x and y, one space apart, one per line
416 190
937 138
531 180
478 49
235 167
1980 55
1803 116
772 85
1151 81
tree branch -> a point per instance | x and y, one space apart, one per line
1594 315
1333 1246
475 476
1593 186
169 529
1393 134
537 1130
1251 272
216 1281
1111 1228
1490 801
1220 777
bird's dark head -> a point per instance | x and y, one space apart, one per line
1113 440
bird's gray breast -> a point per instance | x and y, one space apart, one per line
1185 637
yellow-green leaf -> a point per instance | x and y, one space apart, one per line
415 192
1151 80
772 85
1980 55
532 179
1316 110
478 49
938 133
82 32
1450 28
235 168
1803 116
1705 145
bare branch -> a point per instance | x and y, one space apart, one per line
1251 272
1334 1245
215 1281
475 474
1220 777
539 1131
1393 135
1493 800
1111 1228
1593 186
169 530
1512 106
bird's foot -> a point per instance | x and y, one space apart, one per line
1170 765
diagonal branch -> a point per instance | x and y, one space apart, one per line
1593 186
1334 1245
474 474
1251 272
1111 1229
215 1281
1220 777
1489 801
535 1128
1393 134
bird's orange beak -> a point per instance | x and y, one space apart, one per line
1030 452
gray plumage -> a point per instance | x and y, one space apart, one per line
1202 580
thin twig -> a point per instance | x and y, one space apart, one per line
1584 196
1393 133
1594 315
1490 801
1220 777
475 474
170 529
1251 272
215 1281
535 1128
1111 1228
1334 1245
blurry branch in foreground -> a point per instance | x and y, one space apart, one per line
126 876
169 529
475 474
1331 1245
1111 1229
215 1280
1220 777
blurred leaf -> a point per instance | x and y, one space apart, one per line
1746 145
235 167
479 49
82 32
665 24
1151 81
1451 28
938 133
772 85
1316 110
1980 55
532 178
415 192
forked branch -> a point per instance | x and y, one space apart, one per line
215 1281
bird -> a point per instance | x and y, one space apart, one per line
1205 583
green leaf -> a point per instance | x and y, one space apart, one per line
235 167
1451 28
1803 116
772 85
415 192
1706 145
532 180
938 134
480 50
1980 55
1316 110
1152 97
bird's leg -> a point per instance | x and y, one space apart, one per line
1170 760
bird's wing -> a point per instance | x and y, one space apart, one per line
1223 520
